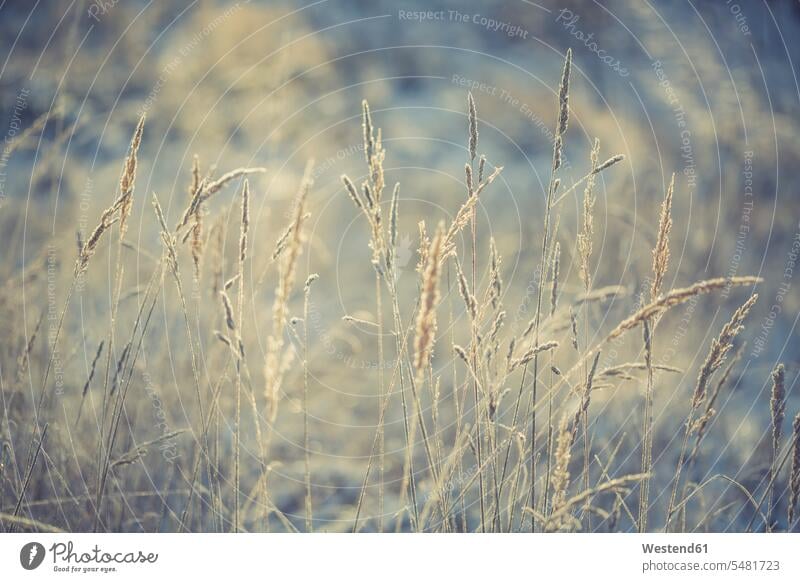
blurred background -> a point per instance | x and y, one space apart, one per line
705 90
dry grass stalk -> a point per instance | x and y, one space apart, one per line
584 246
661 250
563 111
429 299
369 136
33 457
586 396
720 348
601 294
495 276
391 250
107 219
277 361
112 415
677 297
230 282
369 201
777 407
227 308
358 321
464 214
306 433
120 211
89 381
167 239
463 288
794 476
424 246
195 232
196 243
473 128
573 326
547 237
620 370
561 519
554 272
560 474
125 200
245 224
647 428
600 168
660 264
716 356
353 193
608 163
216 238
530 353
587 232
708 414
210 187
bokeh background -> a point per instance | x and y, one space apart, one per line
707 90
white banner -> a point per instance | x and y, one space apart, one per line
401 557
